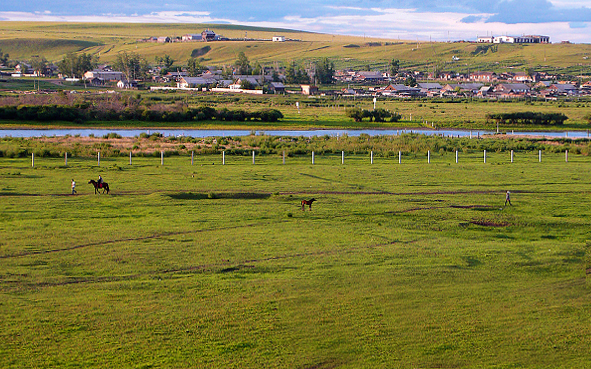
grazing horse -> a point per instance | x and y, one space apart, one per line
97 186
307 202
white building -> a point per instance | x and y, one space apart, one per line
278 38
526 39
191 37
104 75
486 40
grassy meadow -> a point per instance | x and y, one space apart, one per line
410 265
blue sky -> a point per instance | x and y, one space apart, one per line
439 20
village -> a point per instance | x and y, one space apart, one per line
166 75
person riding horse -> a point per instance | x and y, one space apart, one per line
104 186
100 181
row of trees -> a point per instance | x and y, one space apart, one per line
322 70
75 66
377 115
528 117
87 112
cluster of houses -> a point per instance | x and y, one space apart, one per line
526 39
375 77
542 89
205 36
516 85
369 83
476 84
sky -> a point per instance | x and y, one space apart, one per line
436 20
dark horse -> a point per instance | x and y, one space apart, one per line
97 186
307 202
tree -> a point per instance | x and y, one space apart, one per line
167 61
131 65
39 65
302 77
3 57
290 73
246 85
242 64
394 67
355 113
294 74
275 76
75 66
194 68
258 69
324 71
410 81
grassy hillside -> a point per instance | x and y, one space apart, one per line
53 40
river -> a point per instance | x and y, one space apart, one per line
200 133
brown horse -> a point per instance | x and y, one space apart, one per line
97 186
308 202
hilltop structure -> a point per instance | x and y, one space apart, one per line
527 39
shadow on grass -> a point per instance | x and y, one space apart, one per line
223 195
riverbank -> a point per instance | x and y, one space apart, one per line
245 143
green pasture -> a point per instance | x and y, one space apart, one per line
410 265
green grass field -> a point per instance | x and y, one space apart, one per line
410 265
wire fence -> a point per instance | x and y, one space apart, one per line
344 158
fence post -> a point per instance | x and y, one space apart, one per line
566 156
98 159
312 157
429 156
456 156
66 159
253 156
342 157
540 156
161 157
192 156
223 158
511 156
130 158
371 156
399 157
33 160
484 156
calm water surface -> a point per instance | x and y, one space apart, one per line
309 133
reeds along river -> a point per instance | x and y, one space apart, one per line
309 133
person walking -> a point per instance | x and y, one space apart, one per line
508 198
73 187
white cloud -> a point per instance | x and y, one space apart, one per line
406 24
156 17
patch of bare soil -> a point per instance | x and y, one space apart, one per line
490 223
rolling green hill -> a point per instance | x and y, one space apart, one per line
23 40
